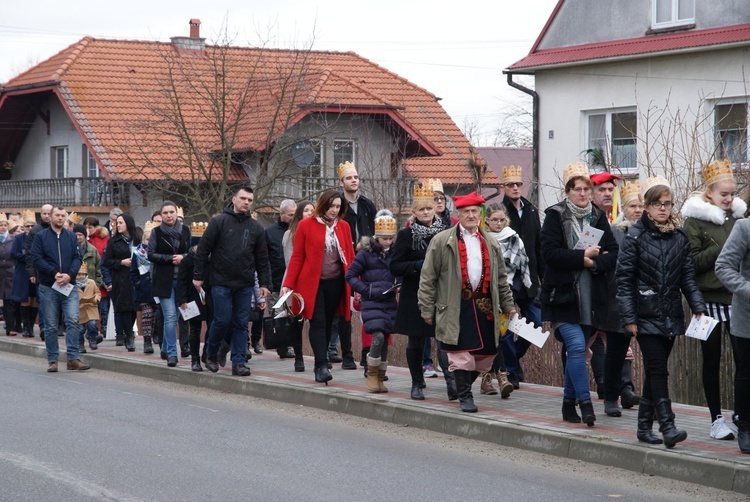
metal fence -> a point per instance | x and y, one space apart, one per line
63 192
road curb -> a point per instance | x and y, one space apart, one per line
670 464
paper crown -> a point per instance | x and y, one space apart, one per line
3 217
28 215
345 169
385 226
630 192
716 172
149 225
423 194
512 174
575 170
197 228
180 212
75 218
652 182
435 184
84 269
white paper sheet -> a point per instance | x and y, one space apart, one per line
191 310
521 327
283 299
63 289
590 236
701 328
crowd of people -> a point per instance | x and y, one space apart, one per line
456 272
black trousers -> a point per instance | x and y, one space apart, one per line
741 348
326 304
617 349
711 350
655 350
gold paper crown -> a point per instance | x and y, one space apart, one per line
512 174
423 193
197 228
75 218
716 172
630 191
149 225
346 168
385 226
575 170
28 215
84 269
180 212
435 184
652 182
3 217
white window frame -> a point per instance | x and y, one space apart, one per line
353 160
675 9
742 164
61 150
609 145
312 185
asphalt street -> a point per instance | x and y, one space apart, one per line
104 436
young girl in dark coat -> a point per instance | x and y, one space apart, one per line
184 293
370 276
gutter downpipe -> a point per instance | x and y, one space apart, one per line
534 129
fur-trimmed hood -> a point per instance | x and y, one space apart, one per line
696 207
622 223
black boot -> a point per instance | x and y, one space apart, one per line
450 379
587 412
416 391
646 422
148 347
322 373
119 339
743 436
130 342
212 364
569 412
664 414
196 364
27 322
628 398
463 386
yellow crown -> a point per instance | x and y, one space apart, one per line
512 174
716 172
28 215
3 217
630 191
435 184
345 169
652 182
385 226
180 212
573 171
149 225
75 218
423 193
198 228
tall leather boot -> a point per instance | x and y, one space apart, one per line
381 375
569 412
646 422
27 322
463 385
743 436
148 346
450 379
129 341
664 414
587 412
373 366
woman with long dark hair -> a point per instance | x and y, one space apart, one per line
118 257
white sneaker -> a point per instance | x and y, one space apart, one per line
429 371
719 429
732 426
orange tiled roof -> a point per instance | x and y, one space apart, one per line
113 89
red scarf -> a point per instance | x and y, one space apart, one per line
484 280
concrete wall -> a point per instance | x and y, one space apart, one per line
590 21
674 96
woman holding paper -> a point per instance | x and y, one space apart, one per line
654 267
118 257
709 218
574 294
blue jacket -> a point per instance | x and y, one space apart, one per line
52 253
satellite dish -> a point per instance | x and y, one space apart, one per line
303 154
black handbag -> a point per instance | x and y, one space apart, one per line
284 331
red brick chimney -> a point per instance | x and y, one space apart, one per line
195 28
194 43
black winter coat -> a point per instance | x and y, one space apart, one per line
119 249
406 263
361 223
370 276
161 250
236 244
562 267
529 227
185 292
652 270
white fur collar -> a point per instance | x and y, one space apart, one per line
696 207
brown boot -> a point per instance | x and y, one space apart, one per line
505 386
373 368
486 387
52 367
381 376
77 365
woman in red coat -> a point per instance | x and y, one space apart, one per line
322 254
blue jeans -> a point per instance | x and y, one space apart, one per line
231 314
55 302
169 311
576 373
104 313
87 331
514 350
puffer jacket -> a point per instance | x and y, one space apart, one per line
652 269
708 227
370 276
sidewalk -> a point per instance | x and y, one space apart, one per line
529 419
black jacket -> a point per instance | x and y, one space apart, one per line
123 294
185 292
652 270
30 268
274 235
160 252
562 266
529 227
237 247
362 223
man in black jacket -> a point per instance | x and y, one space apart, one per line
524 219
236 245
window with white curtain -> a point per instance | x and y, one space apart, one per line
731 132
669 13
612 140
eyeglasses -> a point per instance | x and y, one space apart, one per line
581 190
514 184
662 205
439 199
497 220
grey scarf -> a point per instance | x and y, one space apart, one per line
582 216
422 234
174 234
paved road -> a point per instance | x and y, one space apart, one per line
104 436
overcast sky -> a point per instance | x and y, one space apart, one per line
456 50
